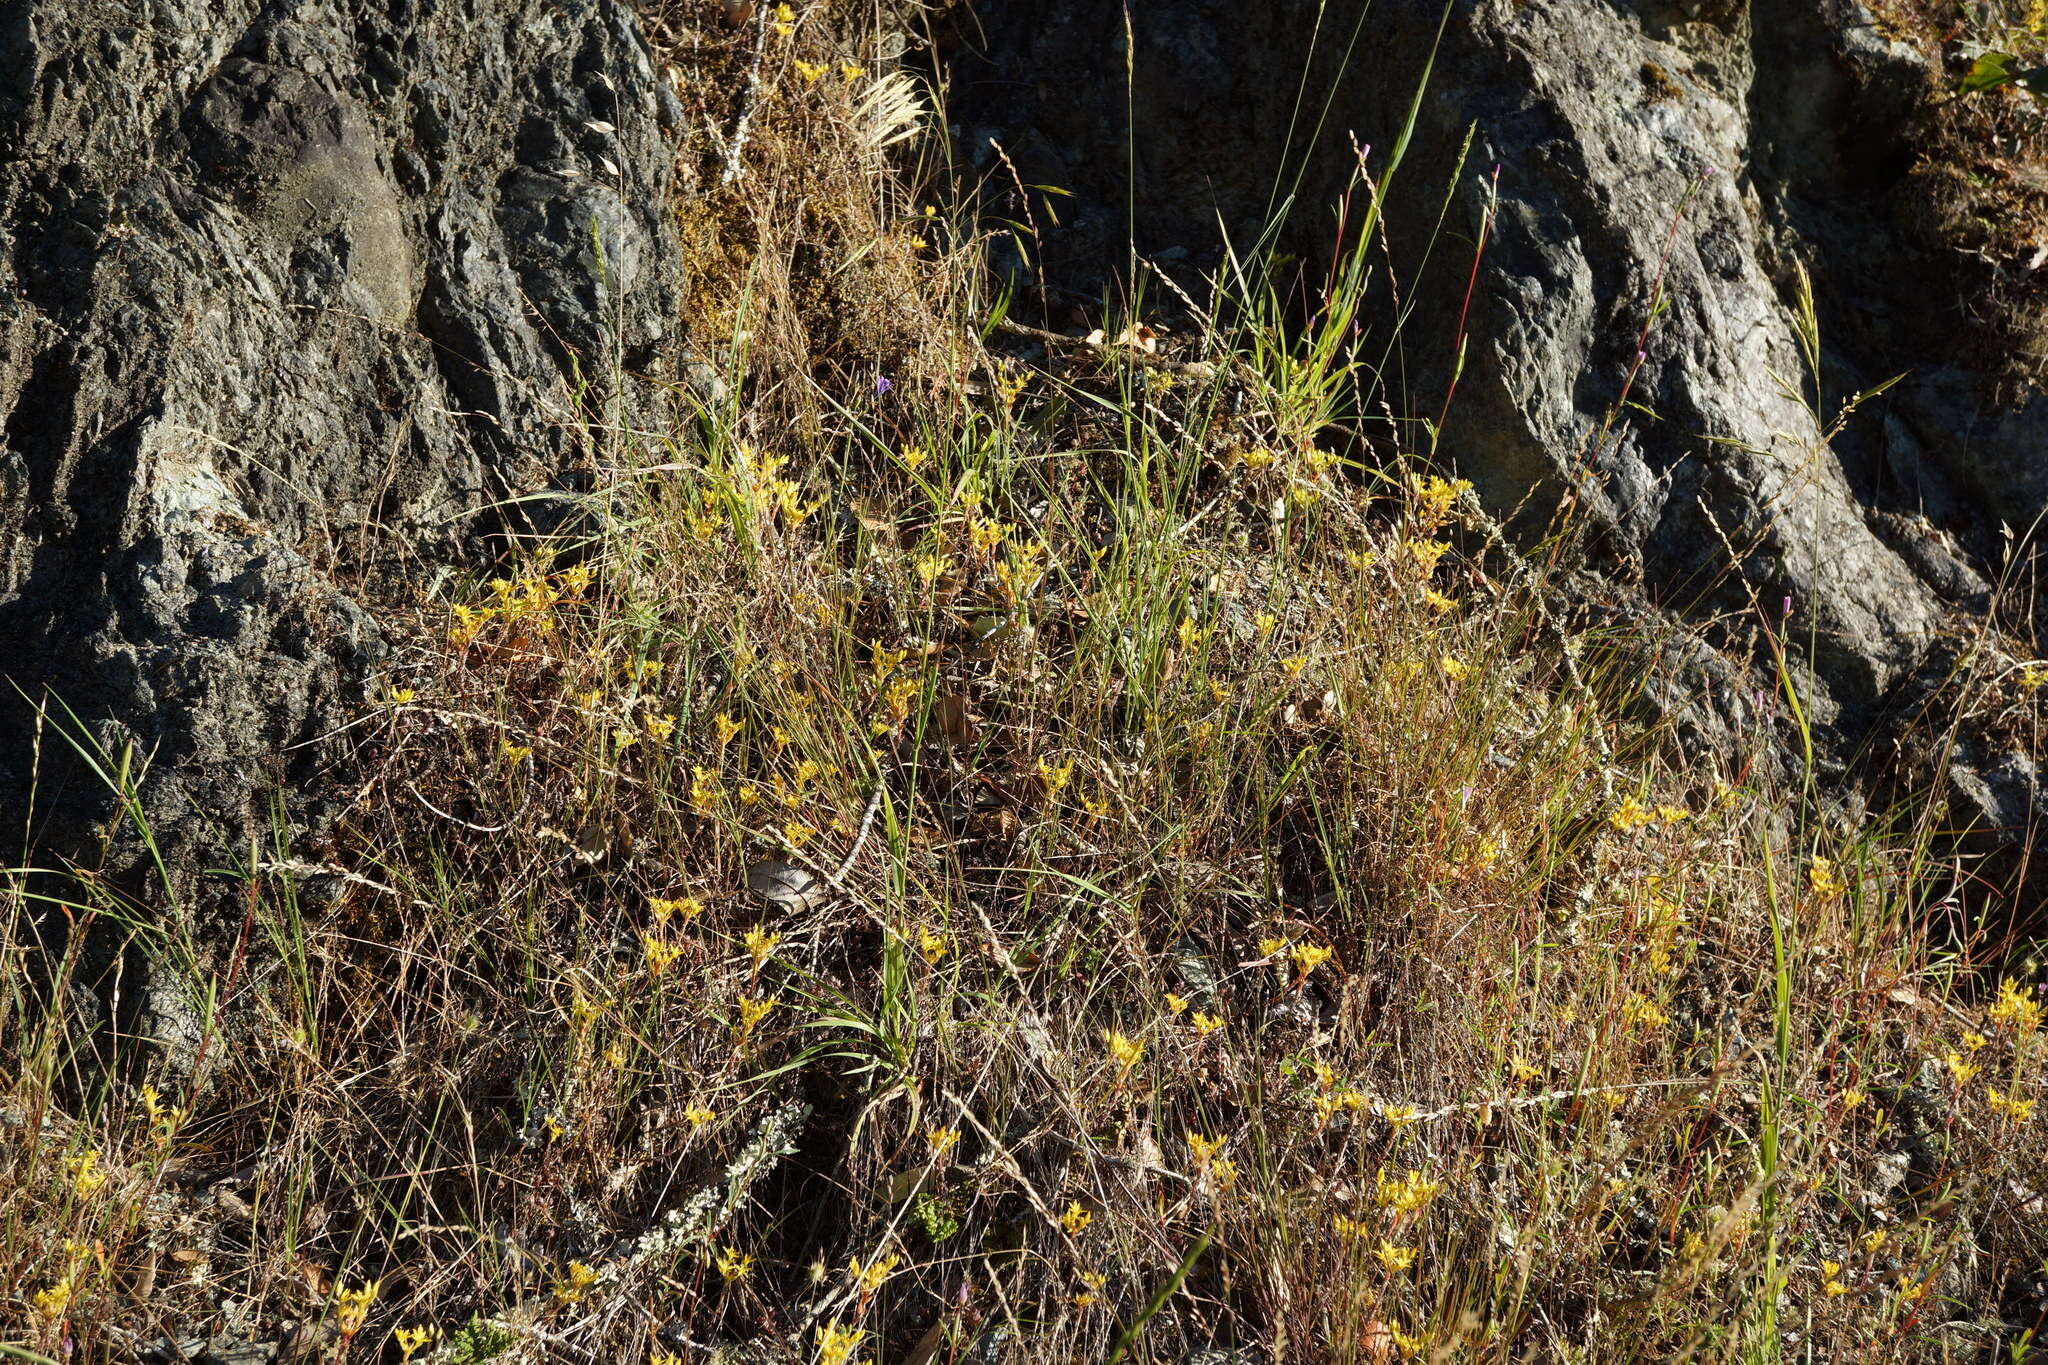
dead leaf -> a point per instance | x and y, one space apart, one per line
787 886
928 1345
956 719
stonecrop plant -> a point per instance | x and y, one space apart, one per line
1065 853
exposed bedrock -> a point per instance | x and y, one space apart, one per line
1814 138
289 294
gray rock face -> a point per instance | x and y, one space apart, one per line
1785 129
289 295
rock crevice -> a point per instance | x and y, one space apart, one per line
294 297
1712 157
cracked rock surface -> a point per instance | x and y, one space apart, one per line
1795 133
289 293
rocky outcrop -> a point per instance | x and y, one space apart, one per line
299 295
1705 154
295 298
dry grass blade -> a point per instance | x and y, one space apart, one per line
891 111
973 817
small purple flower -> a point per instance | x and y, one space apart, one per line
882 385
1786 608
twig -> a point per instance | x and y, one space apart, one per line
1129 1163
480 829
297 868
836 878
1548 1097
748 100
860 835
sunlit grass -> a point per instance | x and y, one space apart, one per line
1091 860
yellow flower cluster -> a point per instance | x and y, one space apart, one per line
837 1344
87 1179
574 1283
1346 1100
896 696
1127 1051
1309 956
1405 1194
1409 1344
689 907
983 535
1394 1259
1643 1012
515 599
163 1118
761 945
1826 882
54 1300
875 1273
658 953
352 1307
412 1340
1056 776
929 568
752 1012
755 482
1632 815
2016 1011
1022 571
1424 554
1434 496
2011 1108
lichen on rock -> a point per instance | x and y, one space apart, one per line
296 297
